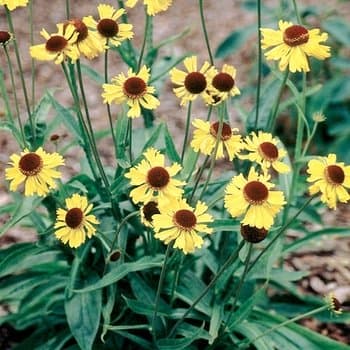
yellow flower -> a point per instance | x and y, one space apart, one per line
205 135
153 179
35 169
153 6
191 83
292 44
254 199
147 211
108 29
88 42
262 148
58 46
133 89
13 4
222 84
334 305
181 223
74 224
331 178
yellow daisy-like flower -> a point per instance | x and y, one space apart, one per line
254 199
133 90
181 223
153 6
74 224
331 178
107 27
153 179
58 46
148 210
192 83
292 44
88 42
13 4
222 84
205 136
262 148
35 169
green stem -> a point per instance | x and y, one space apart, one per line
147 22
258 88
198 177
176 279
187 129
159 289
272 119
300 128
130 139
205 32
297 14
15 94
67 9
292 320
241 281
223 268
108 106
31 22
21 73
279 233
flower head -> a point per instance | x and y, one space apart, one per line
263 149
74 224
58 46
153 179
153 6
88 42
206 134
147 211
133 90
35 169
5 37
333 303
107 27
13 4
253 198
181 223
292 44
222 84
192 83
331 178
253 234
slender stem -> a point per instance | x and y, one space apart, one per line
210 110
272 119
241 281
147 22
279 233
308 141
292 320
21 73
187 129
297 14
67 9
108 106
300 128
205 32
91 130
130 139
15 94
223 268
258 87
31 23
198 177
176 279
159 289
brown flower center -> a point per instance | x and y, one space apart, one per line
158 177
4 37
134 87
255 192
80 27
195 82
223 82
74 217
253 234
336 304
226 131
185 219
335 174
150 209
108 27
295 35
56 43
268 151
30 164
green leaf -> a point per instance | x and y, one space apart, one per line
136 339
225 225
338 29
92 74
170 146
215 320
120 271
83 311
